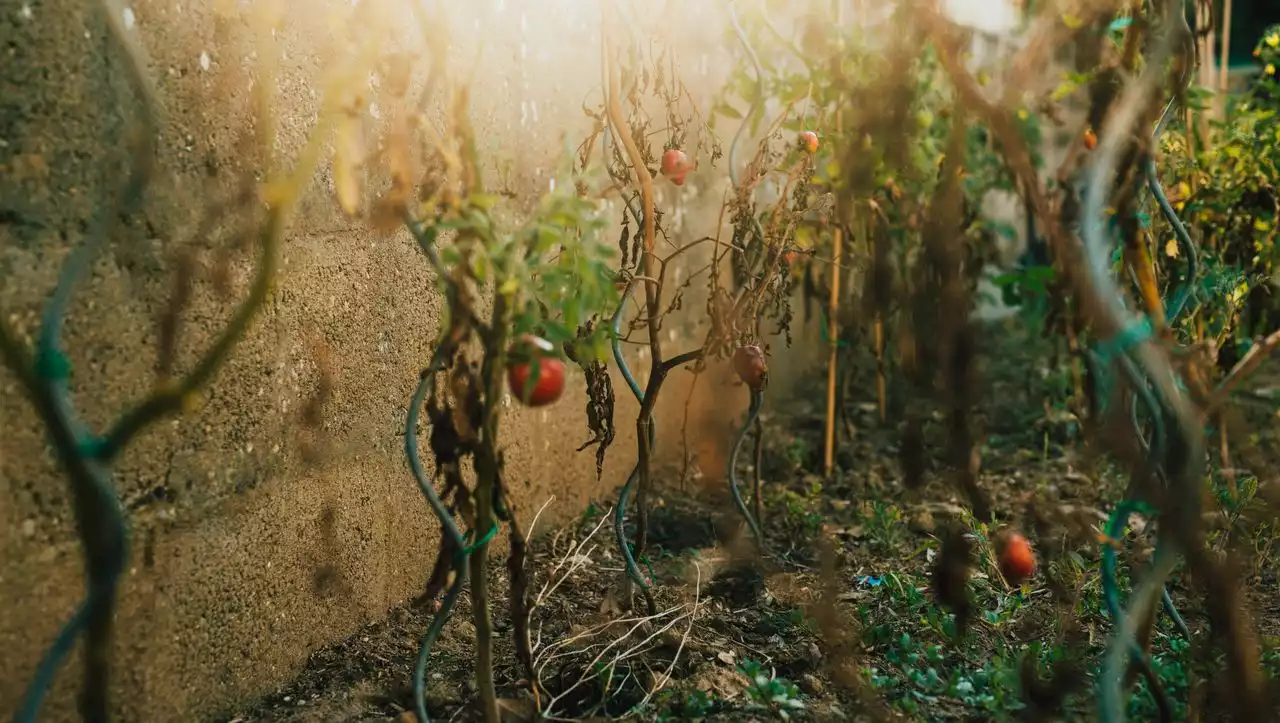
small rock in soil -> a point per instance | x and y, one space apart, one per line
812 685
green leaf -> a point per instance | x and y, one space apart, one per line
556 332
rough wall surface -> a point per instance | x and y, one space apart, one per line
247 552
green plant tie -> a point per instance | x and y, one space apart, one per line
52 365
488 537
90 446
645 560
826 337
1107 351
1124 340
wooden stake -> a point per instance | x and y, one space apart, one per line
833 308
1203 18
1224 56
833 328
882 386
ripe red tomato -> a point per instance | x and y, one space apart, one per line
809 141
1017 560
752 369
550 382
675 164
1090 139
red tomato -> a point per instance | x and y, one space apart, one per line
749 363
1017 561
549 384
1090 139
809 140
675 164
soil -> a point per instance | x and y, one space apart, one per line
724 610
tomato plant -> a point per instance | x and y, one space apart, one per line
546 279
627 157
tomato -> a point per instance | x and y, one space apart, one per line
675 164
1017 561
789 257
749 363
1090 139
809 141
549 384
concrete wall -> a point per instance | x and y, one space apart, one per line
247 556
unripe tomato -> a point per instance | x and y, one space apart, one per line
1017 561
549 384
675 164
752 369
1090 139
809 141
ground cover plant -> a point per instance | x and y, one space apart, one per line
1067 514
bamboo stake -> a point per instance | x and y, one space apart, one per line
1224 54
1203 17
833 308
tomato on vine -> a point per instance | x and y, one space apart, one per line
751 367
1090 139
675 164
549 384
809 141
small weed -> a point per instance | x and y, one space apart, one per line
695 706
769 692
799 452
885 524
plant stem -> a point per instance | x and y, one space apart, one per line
757 486
653 298
486 481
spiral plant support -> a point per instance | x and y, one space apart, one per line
1155 385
